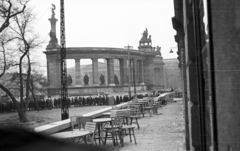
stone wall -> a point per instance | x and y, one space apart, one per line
226 50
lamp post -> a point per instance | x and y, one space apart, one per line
129 73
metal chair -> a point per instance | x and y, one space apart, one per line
115 131
86 124
128 130
149 107
73 123
134 114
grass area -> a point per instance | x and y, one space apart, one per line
43 117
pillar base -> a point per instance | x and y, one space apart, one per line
125 84
112 84
79 85
142 83
95 84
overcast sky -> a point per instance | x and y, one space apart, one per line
109 23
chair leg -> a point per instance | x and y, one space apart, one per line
113 138
134 136
129 130
106 134
131 121
136 119
120 138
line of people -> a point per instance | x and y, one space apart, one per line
43 104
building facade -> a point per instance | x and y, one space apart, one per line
142 69
208 43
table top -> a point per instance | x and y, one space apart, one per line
139 103
107 113
71 134
102 120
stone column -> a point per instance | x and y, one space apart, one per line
77 72
137 72
134 75
95 71
131 71
110 68
125 72
141 75
149 72
122 71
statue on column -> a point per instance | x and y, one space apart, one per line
116 81
86 79
102 79
53 8
53 43
158 51
145 38
69 80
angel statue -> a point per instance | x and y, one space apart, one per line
53 8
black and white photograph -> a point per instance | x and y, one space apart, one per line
119 75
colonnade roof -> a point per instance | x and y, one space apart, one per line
98 52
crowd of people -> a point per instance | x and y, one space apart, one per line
50 103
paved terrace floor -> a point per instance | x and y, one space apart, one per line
163 132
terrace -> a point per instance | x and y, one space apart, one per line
163 131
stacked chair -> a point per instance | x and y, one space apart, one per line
80 123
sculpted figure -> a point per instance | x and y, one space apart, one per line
145 38
53 8
69 80
102 79
86 79
116 81
158 51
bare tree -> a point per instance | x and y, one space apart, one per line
27 40
24 40
10 9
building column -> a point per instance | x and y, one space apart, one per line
141 74
77 72
123 71
110 71
131 71
134 75
95 71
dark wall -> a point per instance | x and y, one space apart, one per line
226 50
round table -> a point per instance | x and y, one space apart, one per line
71 134
99 122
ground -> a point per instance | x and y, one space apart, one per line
43 117
162 132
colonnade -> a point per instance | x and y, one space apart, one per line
136 68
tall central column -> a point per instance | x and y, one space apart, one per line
110 68
95 71
141 73
77 72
